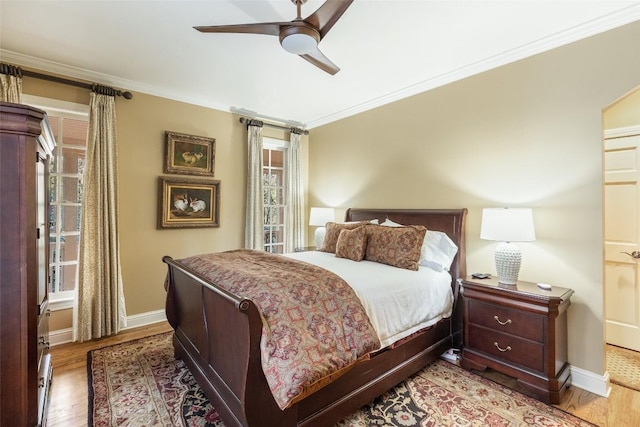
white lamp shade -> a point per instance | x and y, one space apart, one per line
507 225
319 217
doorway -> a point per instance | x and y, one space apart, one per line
622 237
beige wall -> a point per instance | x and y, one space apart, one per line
141 124
525 134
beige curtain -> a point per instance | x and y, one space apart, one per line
101 309
10 84
254 226
294 226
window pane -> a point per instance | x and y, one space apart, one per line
277 179
52 219
52 188
53 253
74 132
73 160
277 158
54 275
69 247
67 277
71 189
70 218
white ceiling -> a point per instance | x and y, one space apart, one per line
386 49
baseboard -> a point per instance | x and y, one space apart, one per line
61 336
589 381
143 319
64 336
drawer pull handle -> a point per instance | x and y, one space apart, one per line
501 349
502 323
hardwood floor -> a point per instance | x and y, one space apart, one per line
69 405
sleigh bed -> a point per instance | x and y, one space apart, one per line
218 336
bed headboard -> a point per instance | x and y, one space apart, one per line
450 221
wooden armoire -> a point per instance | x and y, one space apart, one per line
26 145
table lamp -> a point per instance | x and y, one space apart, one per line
507 225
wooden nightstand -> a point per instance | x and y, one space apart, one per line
519 330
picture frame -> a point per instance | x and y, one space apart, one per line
188 203
189 154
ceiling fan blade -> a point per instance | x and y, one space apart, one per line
268 28
327 15
318 59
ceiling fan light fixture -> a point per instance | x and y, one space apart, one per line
299 44
299 40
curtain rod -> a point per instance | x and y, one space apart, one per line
13 70
90 86
248 121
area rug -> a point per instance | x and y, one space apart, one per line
139 383
623 366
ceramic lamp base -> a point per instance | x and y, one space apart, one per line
508 259
319 236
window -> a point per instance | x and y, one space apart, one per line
274 191
69 124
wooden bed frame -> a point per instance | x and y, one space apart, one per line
217 335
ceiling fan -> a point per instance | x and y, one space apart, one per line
300 36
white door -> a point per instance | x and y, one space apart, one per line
622 238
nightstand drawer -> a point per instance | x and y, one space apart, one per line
507 320
508 347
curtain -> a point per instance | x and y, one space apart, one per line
101 309
10 84
254 226
294 226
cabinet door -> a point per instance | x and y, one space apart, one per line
42 234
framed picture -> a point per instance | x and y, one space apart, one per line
189 155
188 203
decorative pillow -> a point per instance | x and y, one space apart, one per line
396 246
352 244
438 250
333 231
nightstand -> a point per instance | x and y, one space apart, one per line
519 330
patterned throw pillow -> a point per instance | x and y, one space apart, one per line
396 246
333 231
352 244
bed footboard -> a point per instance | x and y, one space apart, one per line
217 335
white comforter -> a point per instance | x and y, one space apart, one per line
399 302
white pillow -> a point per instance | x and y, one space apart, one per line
437 251
371 221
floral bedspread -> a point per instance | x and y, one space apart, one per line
314 325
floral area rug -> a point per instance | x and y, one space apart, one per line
139 383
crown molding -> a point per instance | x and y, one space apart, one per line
596 26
